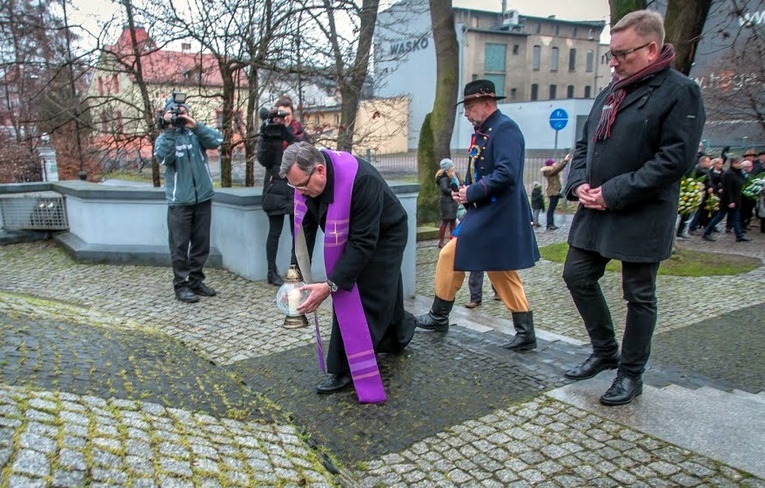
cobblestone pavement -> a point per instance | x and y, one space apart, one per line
107 380
682 301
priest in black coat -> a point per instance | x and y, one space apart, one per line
640 138
377 232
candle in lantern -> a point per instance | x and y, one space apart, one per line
293 301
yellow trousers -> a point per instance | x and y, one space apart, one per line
507 283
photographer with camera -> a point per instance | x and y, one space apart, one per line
182 150
278 131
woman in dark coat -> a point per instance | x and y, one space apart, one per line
447 181
276 134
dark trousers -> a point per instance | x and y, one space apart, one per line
733 219
275 225
475 284
188 229
551 210
581 272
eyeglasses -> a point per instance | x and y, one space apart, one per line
304 186
622 55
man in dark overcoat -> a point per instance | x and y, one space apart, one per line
640 138
496 234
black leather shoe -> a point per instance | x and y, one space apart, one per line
623 390
591 367
185 294
552 227
335 383
203 290
708 237
742 239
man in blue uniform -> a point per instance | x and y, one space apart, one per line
496 235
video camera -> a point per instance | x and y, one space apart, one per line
271 128
178 118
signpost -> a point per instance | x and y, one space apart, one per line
558 121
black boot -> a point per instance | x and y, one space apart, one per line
273 276
525 339
438 317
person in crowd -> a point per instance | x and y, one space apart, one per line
537 202
446 180
278 131
639 139
496 235
759 164
700 169
182 149
365 233
702 216
551 171
747 204
730 201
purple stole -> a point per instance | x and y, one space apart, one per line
346 304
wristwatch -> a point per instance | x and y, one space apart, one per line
332 286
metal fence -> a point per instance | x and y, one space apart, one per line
33 211
404 166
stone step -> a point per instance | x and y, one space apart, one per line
724 426
757 397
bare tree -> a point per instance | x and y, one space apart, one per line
437 131
350 78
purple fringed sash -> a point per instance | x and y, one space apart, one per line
347 304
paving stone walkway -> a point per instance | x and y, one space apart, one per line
107 380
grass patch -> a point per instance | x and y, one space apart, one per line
683 263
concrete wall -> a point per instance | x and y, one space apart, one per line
128 225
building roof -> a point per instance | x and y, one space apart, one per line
165 66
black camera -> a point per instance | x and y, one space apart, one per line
178 117
271 128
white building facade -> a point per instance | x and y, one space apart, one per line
539 65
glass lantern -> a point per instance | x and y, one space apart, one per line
289 297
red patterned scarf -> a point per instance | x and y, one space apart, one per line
619 92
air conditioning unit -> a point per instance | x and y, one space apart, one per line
33 211
510 17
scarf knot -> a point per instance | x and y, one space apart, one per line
619 91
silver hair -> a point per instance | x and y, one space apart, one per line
304 154
647 24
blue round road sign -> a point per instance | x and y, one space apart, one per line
558 119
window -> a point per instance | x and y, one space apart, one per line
104 122
219 119
534 92
499 83
116 84
513 93
516 48
590 60
337 120
536 54
538 28
553 92
557 30
118 120
587 92
573 31
316 120
494 57
100 86
554 59
570 91
473 77
572 60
